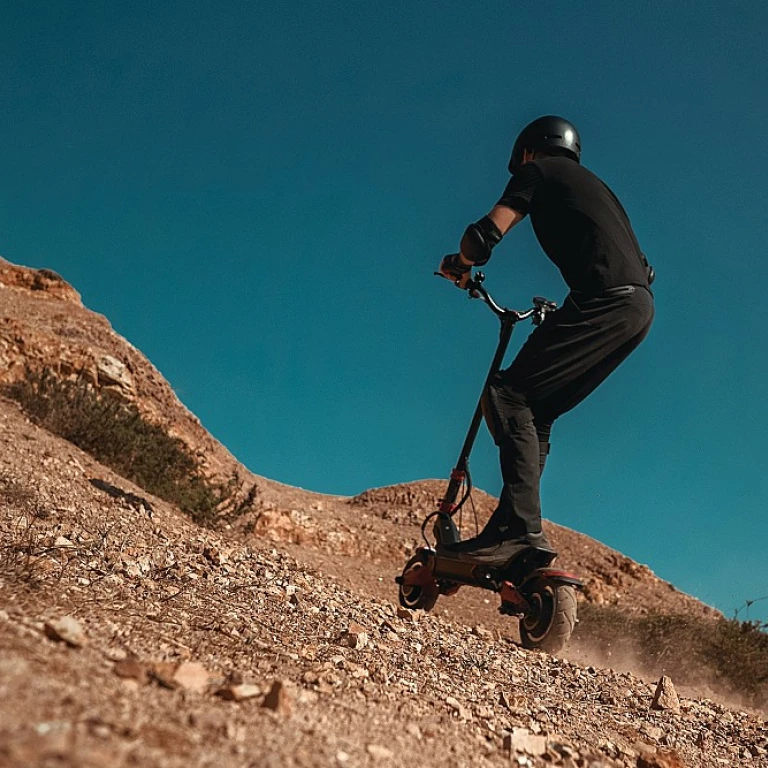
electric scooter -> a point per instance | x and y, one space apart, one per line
544 598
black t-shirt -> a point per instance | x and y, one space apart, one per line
579 222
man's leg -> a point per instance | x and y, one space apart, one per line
543 431
520 502
518 515
562 362
575 349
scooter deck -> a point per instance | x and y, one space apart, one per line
485 576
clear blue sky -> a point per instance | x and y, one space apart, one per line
256 195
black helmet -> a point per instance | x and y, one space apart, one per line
546 134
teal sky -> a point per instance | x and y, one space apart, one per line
256 196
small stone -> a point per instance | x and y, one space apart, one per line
162 672
459 708
666 697
563 750
452 702
132 569
132 669
68 630
112 371
652 732
239 692
116 654
607 746
414 730
356 637
659 759
308 652
191 676
278 700
522 740
379 753
213 556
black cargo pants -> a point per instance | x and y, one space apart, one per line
568 356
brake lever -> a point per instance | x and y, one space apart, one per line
455 282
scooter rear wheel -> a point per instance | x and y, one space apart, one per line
418 596
549 622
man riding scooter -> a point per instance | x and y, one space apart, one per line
584 230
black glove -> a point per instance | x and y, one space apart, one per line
453 265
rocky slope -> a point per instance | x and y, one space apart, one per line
130 636
43 324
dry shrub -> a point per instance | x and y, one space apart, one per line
117 435
728 655
15 495
17 533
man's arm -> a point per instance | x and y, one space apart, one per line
478 243
505 218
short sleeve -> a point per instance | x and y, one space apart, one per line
521 188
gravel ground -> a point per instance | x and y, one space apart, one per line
190 647
131 637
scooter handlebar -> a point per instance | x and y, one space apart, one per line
475 290
537 312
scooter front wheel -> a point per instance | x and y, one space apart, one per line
422 591
551 617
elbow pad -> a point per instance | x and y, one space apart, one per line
479 240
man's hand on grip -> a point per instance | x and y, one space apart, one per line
453 268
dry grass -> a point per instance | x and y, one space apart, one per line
727 654
117 435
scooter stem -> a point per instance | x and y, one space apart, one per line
448 505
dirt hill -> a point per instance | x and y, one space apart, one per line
129 635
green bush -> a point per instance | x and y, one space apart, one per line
116 435
728 655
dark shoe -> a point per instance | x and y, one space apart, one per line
495 553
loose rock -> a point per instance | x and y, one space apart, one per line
278 700
192 676
356 637
162 672
379 753
522 740
666 697
132 669
239 692
67 630
189 675
660 759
